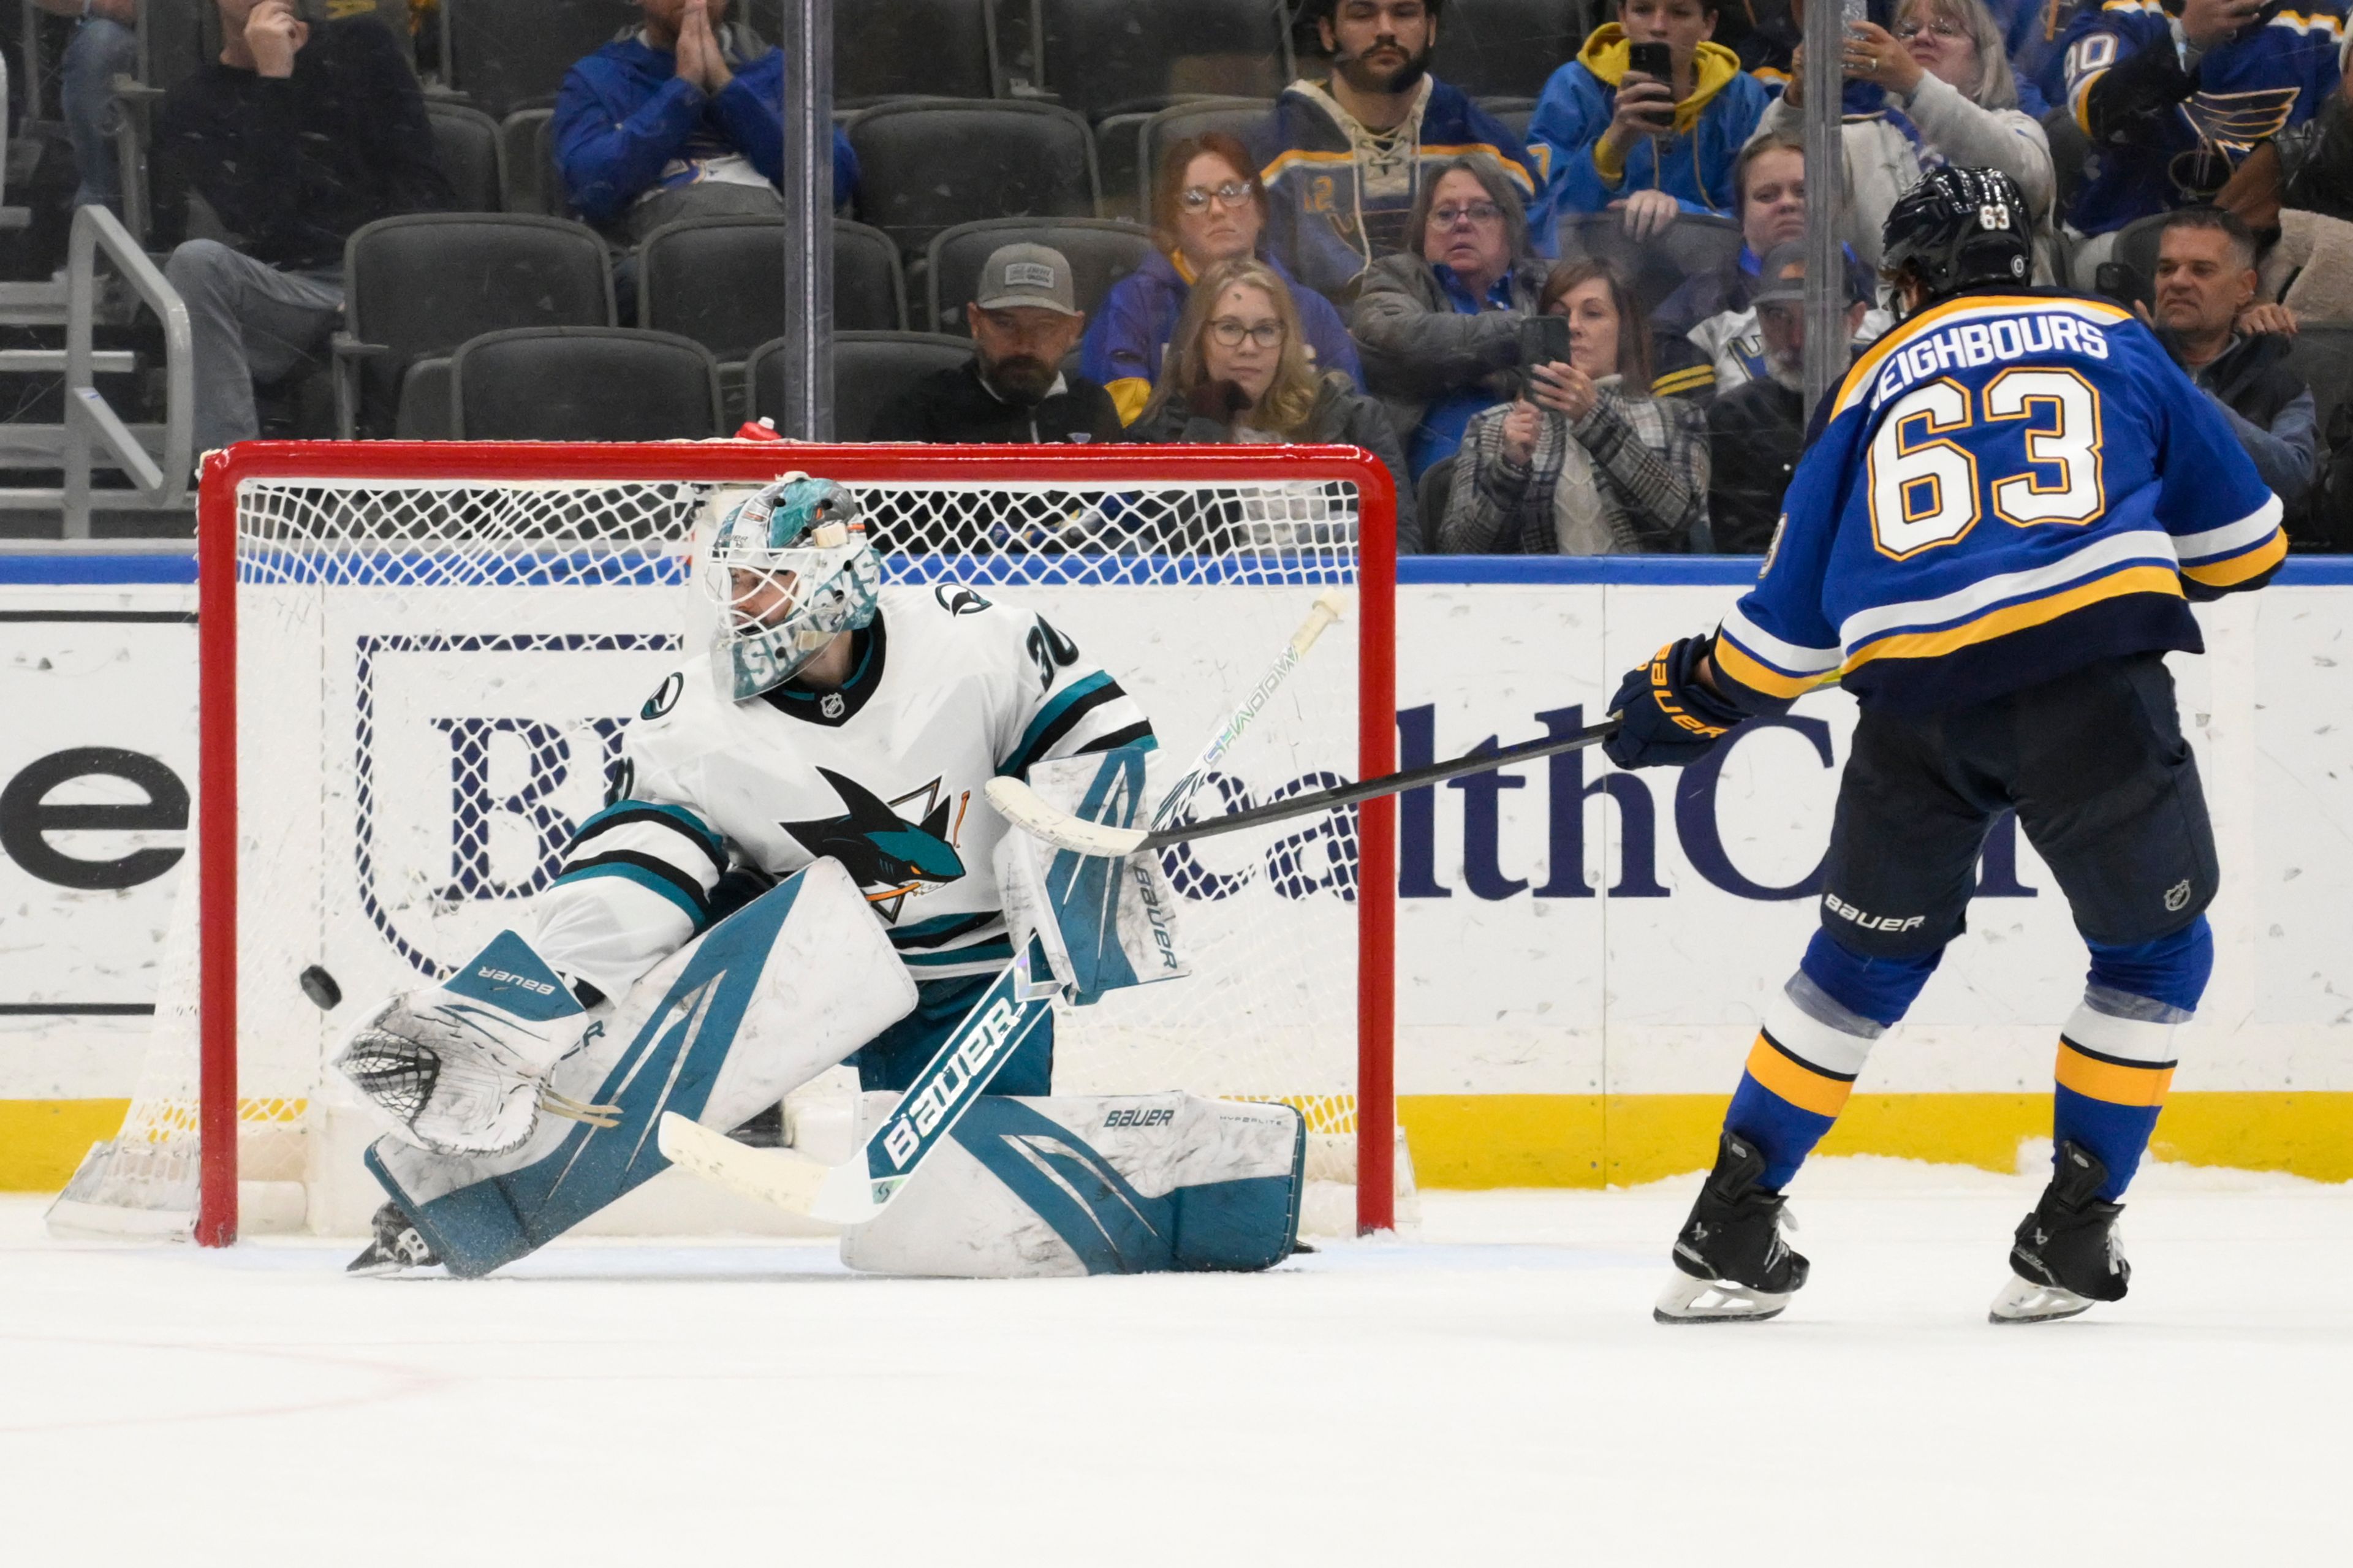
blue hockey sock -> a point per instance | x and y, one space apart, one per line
2117 1054
1817 1035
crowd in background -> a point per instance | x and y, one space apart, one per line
1376 262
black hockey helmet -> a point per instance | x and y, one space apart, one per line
1957 228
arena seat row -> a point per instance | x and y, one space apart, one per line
1100 57
630 383
417 286
924 164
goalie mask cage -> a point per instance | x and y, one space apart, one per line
418 659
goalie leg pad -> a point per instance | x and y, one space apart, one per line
1094 1184
757 1006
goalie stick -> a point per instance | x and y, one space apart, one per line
967 1061
861 1186
1027 810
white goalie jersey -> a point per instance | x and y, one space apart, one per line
885 775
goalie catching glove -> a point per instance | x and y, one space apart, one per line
1667 717
461 1067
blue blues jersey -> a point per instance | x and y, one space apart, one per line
2007 487
2247 91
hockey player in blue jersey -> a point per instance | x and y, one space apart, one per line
2174 95
1992 544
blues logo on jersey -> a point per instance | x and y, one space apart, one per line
2244 91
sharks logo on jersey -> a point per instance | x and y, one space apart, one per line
891 858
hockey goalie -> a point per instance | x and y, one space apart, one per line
798 868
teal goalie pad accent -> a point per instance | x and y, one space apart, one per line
1245 1224
509 976
671 1064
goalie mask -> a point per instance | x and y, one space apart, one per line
790 570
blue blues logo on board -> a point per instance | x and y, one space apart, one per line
475 759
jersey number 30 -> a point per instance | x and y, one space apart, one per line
1926 489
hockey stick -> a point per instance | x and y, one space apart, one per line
1328 609
1022 806
860 1187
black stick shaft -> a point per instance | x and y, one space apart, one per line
1394 783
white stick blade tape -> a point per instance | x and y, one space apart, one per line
780 1177
1022 806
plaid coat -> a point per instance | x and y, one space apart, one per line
1650 456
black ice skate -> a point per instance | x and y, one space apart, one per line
398 1247
2066 1256
1732 1265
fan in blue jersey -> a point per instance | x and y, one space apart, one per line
2174 95
1992 543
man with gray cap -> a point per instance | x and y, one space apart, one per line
1756 430
1025 318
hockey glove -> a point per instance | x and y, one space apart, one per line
1666 718
461 1067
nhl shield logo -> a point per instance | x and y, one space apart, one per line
2177 897
831 705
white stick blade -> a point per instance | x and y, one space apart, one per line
779 1177
1022 806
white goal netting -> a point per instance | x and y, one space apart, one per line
432 680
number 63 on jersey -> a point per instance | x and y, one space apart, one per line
1926 487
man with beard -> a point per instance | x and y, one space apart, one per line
1344 160
1024 322
1757 430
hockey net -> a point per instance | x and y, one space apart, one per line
419 661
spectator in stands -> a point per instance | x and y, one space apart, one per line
1946 96
1207 205
2205 282
2296 193
684 120
1765 35
104 45
1237 370
1024 319
300 133
2172 98
1588 463
1756 430
1440 330
1704 331
1344 160
1618 138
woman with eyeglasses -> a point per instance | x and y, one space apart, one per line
1949 98
1207 206
1237 370
1439 330
1586 461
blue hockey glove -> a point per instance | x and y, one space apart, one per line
1667 719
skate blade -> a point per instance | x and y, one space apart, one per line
1689 1300
2024 1300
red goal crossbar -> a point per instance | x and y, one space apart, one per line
744 462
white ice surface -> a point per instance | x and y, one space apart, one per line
1494 1386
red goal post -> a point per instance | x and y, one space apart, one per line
399 512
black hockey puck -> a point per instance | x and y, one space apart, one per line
319 987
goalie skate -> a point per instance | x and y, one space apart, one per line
1731 1264
397 1246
